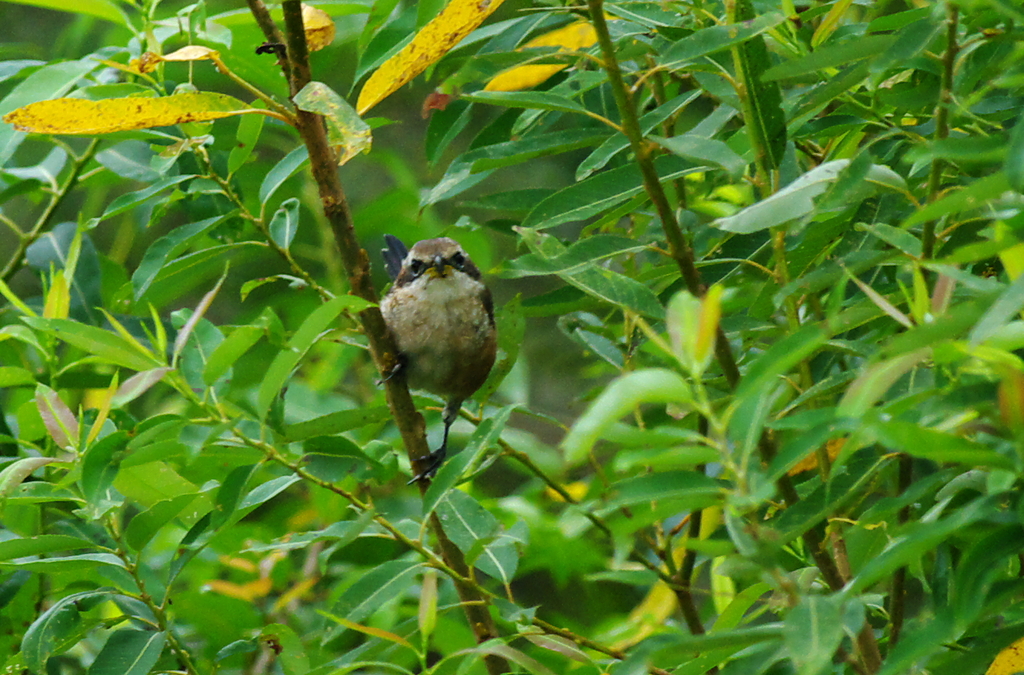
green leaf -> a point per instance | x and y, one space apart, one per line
692 488
107 345
601 192
290 652
476 532
792 202
538 100
580 255
780 358
715 39
653 385
168 247
761 99
129 652
376 588
47 634
285 223
249 128
281 172
83 564
319 320
813 631
937 446
977 195
224 355
41 543
703 150
598 281
830 56
869 388
486 435
1000 313
130 200
530 147
337 422
144 526
102 9
915 540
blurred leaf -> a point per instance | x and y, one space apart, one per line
813 632
831 56
376 588
653 385
716 38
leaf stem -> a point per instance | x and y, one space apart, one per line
27 238
941 122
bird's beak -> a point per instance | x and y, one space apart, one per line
440 267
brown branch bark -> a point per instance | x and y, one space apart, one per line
356 263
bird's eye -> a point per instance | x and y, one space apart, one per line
458 260
416 267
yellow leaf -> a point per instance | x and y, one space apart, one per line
810 462
74 116
191 53
370 630
575 36
249 592
434 40
1008 661
319 28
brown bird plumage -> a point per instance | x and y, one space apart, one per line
442 317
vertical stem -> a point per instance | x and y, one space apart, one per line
679 246
941 121
897 597
381 342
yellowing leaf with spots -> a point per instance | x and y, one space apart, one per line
1008 661
575 36
75 116
347 133
456 21
319 28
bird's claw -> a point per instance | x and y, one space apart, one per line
433 461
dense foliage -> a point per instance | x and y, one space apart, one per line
758 405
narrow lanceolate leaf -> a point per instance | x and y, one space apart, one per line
60 422
792 202
434 40
575 36
654 385
375 588
75 116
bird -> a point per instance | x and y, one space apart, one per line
442 318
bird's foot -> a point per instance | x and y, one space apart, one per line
433 461
396 370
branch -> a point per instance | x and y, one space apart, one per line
380 341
